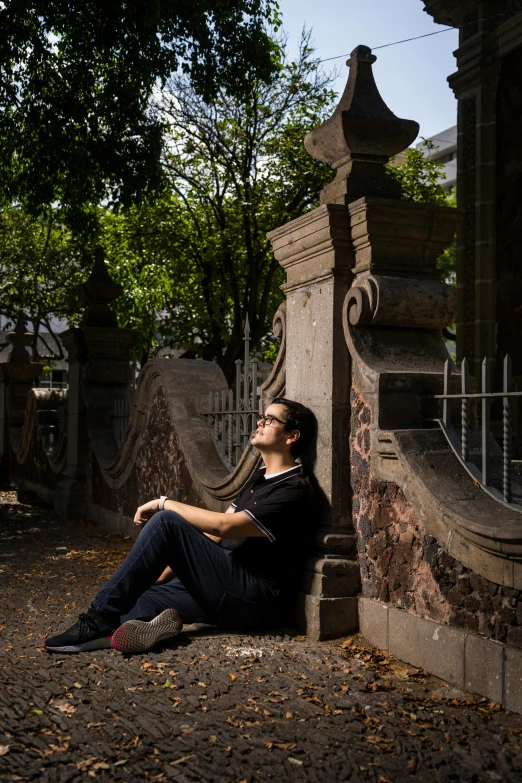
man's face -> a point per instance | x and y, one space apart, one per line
272 434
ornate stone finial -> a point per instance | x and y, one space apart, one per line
360 137
99 291
20 339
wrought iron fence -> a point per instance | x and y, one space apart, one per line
488 462
233 415
122 406
121 417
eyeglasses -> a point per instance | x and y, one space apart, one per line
268 421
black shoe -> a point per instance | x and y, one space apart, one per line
93 631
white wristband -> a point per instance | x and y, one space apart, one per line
162 500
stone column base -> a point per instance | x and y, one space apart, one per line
70 497
325 618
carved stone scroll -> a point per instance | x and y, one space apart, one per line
395 301
274 386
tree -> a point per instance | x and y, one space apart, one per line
238 168
40 268
143 253
194 261
419 175
76 81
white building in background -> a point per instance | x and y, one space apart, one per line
445 152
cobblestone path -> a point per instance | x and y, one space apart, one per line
211 706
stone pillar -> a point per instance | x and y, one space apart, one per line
475 88
99 371
489 274
19 375
4 432
317 253
71 493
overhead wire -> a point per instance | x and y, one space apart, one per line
394 43
405 40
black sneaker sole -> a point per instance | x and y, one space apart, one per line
139 635
95 644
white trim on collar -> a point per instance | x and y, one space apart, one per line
273 475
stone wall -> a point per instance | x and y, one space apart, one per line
160 468
35 470
402 564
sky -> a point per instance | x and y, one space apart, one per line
411 77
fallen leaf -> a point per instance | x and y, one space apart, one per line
202 684
32 713
86 763
4 749
295 762
64 706
404 673
289 714
182 759
233 677
96 725
77 685
175 701
187 731
120 763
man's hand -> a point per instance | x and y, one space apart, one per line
145 512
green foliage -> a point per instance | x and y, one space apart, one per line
142 255
420 179
238 169
419 175
40 267
194 261
270 355
447 261
76 81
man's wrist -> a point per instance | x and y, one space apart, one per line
161 502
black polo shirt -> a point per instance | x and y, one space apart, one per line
282 507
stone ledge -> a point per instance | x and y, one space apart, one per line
469 661
111 522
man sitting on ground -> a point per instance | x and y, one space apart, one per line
235 569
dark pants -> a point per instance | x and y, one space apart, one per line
212 586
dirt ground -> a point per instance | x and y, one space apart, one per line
210 706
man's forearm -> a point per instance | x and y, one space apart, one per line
209 522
